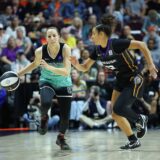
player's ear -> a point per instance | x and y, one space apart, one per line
101 33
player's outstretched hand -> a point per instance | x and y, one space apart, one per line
73 60
153 71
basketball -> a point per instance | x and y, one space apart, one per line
10 81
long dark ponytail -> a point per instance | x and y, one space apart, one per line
107 23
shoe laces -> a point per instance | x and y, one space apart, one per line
138 127
126 144
130 142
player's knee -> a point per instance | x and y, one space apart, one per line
117 109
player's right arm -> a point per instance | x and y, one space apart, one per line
82 67
34 64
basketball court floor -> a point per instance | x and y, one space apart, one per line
86 145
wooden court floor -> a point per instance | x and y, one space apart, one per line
86 145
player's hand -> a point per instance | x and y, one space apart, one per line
153 71
73 60
44 64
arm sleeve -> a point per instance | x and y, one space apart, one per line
100 109
120 45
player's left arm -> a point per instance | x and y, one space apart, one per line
144 49
65 71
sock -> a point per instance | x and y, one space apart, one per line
132 137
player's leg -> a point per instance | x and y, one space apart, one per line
65 105
123 123
127 99
46 94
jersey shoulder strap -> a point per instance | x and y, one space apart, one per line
44 51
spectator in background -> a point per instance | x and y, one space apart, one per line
153 4
18 10
20 63
54 115
78 97
155 52
34 29
152 40
68 38
93 72
126 33
32 117
42 40
135 10
84 55
3 37
106 88
94 112
79 8
92 8
6 17
76 28
91 22
77 50
117 9
23 41
33 7
8 55
53 9
11 29
28 19
115 32
152 34
152 19
67 11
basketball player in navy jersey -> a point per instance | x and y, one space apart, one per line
115 55
55 80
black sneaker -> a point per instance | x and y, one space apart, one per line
131 145
62 142
43 125
142 126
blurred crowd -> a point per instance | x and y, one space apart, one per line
23 24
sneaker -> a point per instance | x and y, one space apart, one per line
62 142
43 125
131 145
142 126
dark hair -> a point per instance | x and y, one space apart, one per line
106 25
55 28
96 90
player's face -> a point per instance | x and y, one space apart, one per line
95 36
52 36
